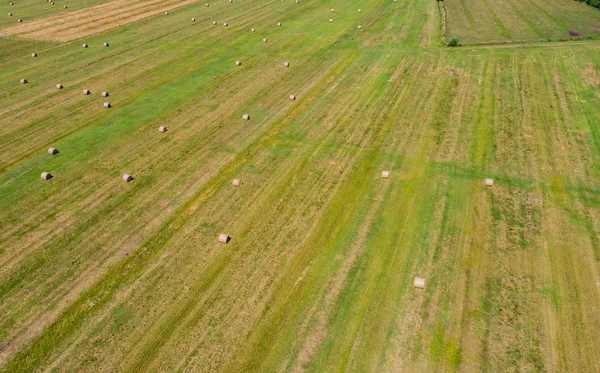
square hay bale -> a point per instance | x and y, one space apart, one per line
419 283
237 182
385 174
489 182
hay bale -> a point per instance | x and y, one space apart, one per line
297 1
104 94
230 1
85 45
359 27
246 117
127 178
166 13
33 54
24 81
286 64
237 182
12 4
360 10
214 22
252 30
332 10
19 20
206 4
52 151
59 86
10 14
224 238
162 129
46 176
330 20
264 40
64 6
489 182
278 23
193 19
238 63
385 174
87 92
107 105
292 98
419 283
106 44
225 24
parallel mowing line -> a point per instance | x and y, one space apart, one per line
56 334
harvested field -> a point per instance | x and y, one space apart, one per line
101 275
486 22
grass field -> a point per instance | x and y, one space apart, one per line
507 21
101 275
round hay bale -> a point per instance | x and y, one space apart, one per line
166 13
292 98
359 27
230 1
46 176
214 22
59 86
193 19
278 23
127 178
332 10
224 238
206 4
24 81
385 174
10 14
12 4
264 40
106 44
252 30
238 63
105 94
237 182
286 64
162 129
87 92
360 10
330 20
225 24
64 6
19 20
419 283
246 117
297 1
33 54
107 105
52 151
489 182
85 45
